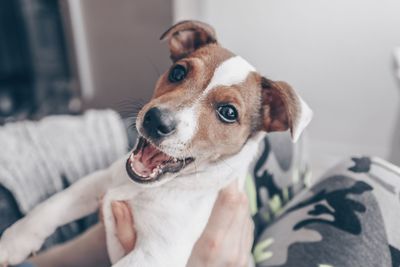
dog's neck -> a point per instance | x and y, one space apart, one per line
214 176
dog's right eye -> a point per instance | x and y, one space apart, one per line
227 113
177 74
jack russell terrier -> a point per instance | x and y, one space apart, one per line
199 132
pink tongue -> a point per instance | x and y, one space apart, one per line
148 159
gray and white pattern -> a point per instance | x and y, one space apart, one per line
41 158
348 218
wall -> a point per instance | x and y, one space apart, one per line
119 52
337 54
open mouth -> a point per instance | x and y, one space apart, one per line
147 163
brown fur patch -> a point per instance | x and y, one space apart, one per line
201 66
188 36
280 107
228 138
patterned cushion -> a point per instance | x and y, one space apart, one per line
279 173
348 218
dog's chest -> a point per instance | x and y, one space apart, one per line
171 213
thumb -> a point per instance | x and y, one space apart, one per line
124 224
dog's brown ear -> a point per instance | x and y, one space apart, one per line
187 36
283 109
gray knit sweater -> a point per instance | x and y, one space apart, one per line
38 159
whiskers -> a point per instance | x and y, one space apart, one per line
189 150
130 107
129 110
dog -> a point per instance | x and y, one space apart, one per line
199 132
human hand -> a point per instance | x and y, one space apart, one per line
226 240
89 249
228 236
124 223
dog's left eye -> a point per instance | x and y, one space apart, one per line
227 113
177 74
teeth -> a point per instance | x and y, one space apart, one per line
133 169
154 173
175 160
131 157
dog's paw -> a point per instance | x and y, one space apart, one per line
18 243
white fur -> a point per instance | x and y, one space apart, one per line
302 121
186 129
168 218
187 123
232 71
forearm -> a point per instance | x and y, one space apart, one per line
87 250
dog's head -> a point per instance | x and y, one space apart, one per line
206 106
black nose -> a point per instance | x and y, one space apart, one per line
159 123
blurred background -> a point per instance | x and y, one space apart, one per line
66 56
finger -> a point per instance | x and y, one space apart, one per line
247 242
237 231
239 235
117 211
231 188
232 247
224 211
124 224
